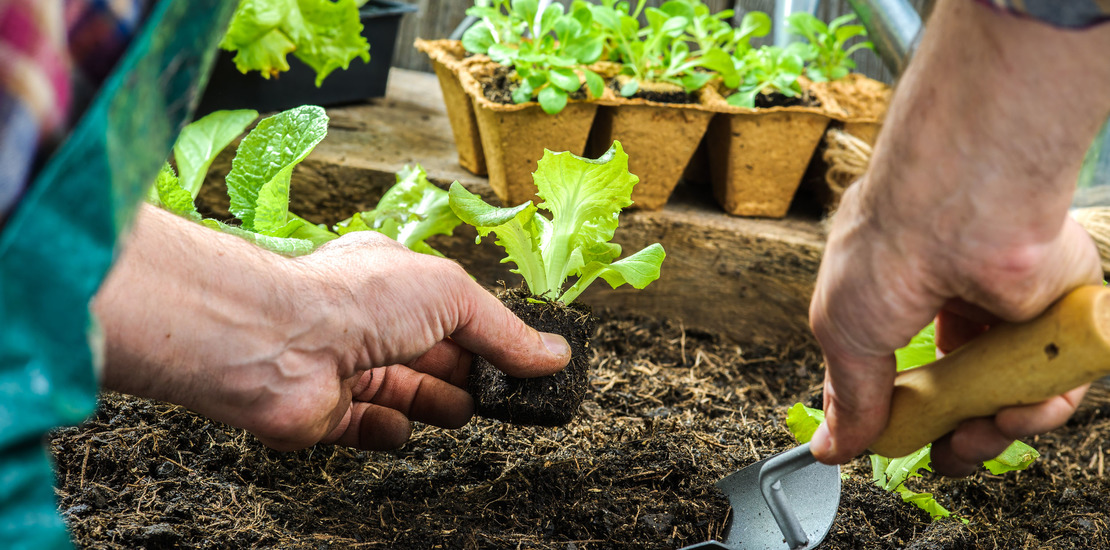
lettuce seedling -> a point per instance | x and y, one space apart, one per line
498 23
584 198
410 212
657 52
826 56
712 32
258 184
324 34
769 69
892 473
548 63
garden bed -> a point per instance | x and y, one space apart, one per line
691 380
670 412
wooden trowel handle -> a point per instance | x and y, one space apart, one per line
1011 364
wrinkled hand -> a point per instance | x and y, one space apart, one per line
346 345
878 287
962 216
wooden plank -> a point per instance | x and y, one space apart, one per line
749 279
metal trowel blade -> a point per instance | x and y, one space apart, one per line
812 492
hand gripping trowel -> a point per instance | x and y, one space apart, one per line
789 501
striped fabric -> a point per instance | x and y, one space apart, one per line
1061 13
53 55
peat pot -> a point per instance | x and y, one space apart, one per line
660 139
448 57
757 157
514 136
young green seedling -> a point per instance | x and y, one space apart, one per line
584 198
827 57
259 184
410 212
548 51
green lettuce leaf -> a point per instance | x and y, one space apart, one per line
516 230
286 246
1018 456
325 34
258 184
803 421
201 141
584 198
168 193
335 36
921 350
410 212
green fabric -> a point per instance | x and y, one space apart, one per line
60 241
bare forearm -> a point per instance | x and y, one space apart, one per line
175 283
990 124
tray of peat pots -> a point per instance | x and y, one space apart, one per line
775 105
657 73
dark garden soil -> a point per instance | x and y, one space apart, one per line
766 101
498 86
669 413
546 400
661 95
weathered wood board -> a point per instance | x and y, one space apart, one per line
749 279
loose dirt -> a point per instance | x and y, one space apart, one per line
670 412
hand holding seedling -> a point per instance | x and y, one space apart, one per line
346 345
962 216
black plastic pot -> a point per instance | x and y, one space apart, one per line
230 89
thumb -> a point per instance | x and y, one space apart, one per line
858 327
491 330
857 403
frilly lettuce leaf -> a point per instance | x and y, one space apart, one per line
921 350
584 198
410 212
324 34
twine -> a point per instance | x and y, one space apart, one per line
1096 220
847 157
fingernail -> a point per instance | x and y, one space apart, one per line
556 344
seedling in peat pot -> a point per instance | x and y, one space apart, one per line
584 198
547 50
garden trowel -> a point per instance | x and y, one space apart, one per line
789 501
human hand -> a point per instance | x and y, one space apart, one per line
347 345
962 216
